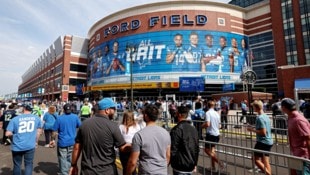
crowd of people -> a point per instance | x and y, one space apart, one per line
87 130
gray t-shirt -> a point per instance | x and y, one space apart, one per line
152 143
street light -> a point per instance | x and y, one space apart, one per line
132 50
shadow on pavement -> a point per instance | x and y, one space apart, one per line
49 168
206 171
6 171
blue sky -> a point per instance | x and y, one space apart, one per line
29 27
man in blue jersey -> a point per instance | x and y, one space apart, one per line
25 130
209 62
116 61
4 122
194 53
176 54
66 126
226 55
235 54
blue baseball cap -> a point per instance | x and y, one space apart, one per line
106 103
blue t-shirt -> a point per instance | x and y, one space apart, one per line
49 120
262 121
66 125
24 128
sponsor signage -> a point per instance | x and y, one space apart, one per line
191 84
229 87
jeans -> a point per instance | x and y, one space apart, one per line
48 135
28 161
181 173
64 159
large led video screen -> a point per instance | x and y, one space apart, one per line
164 56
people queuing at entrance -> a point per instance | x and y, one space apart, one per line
136 129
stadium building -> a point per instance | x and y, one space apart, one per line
191 48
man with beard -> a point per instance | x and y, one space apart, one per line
96 140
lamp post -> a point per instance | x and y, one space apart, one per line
132 51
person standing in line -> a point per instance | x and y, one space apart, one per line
212 123
4 122
244 110
128 129
65 125
224 113
184 144
49 119
150 146
298 132
36 109
25 130
85 111
263 137
96 140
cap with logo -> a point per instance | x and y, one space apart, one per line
67 108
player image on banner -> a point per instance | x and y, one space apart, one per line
176 54
194 53
210 63
116 61
204 53
234 58
225 53
243 59
105 60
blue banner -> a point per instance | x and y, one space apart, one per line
169 51
191 84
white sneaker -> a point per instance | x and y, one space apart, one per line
256 170
47 145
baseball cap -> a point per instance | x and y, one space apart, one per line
27 107
288 103
106 103
67 108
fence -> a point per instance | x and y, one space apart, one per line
236 147
239 161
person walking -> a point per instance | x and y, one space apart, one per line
4 120
128 129
224 113
65 125
212 123
49 119
263 137
298 132
25 130
96 141
184 144
151 146
85 111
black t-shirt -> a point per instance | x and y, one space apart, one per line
7 116
98 136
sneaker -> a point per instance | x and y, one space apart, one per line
223 167
8 141
47 145
256 170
